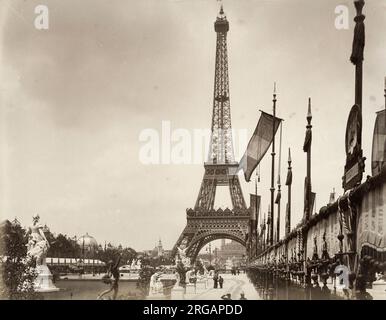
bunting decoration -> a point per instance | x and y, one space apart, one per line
379 144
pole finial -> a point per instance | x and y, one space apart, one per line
309 114
289 155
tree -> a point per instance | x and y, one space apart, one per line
111 253
62 246
147 270
17 272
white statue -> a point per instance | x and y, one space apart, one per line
138 264
205 269
132 266
182 256
156 286
37 248
38 245
178 279
153 280
188 275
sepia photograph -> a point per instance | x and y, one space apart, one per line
165 151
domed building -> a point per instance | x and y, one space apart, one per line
88 245
158 250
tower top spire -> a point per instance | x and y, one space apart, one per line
221 10
221 25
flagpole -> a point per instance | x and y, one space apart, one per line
256 222
254 229
269 225
264 231
308 150
357 54
308 195
278 199
289 184
273 168
258 237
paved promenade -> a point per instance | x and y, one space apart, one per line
232 284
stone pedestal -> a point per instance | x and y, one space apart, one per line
155 296
43 281
190 288
178 293
201 285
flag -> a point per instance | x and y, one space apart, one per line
255 206
332 197
379 144
358 44
313 196
288 182
278 197
306 200
309 197
287 220
263 225
259 143
255 203
307 141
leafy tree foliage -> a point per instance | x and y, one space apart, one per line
62 246
17 272
111 253
147 270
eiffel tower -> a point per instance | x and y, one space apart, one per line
204 223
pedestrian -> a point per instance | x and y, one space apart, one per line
215 281
242 296
238 271
226 296
220 281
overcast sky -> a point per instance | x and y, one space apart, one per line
75 98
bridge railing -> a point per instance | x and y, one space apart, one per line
351 231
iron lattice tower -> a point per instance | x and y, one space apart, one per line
204 223
221 144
